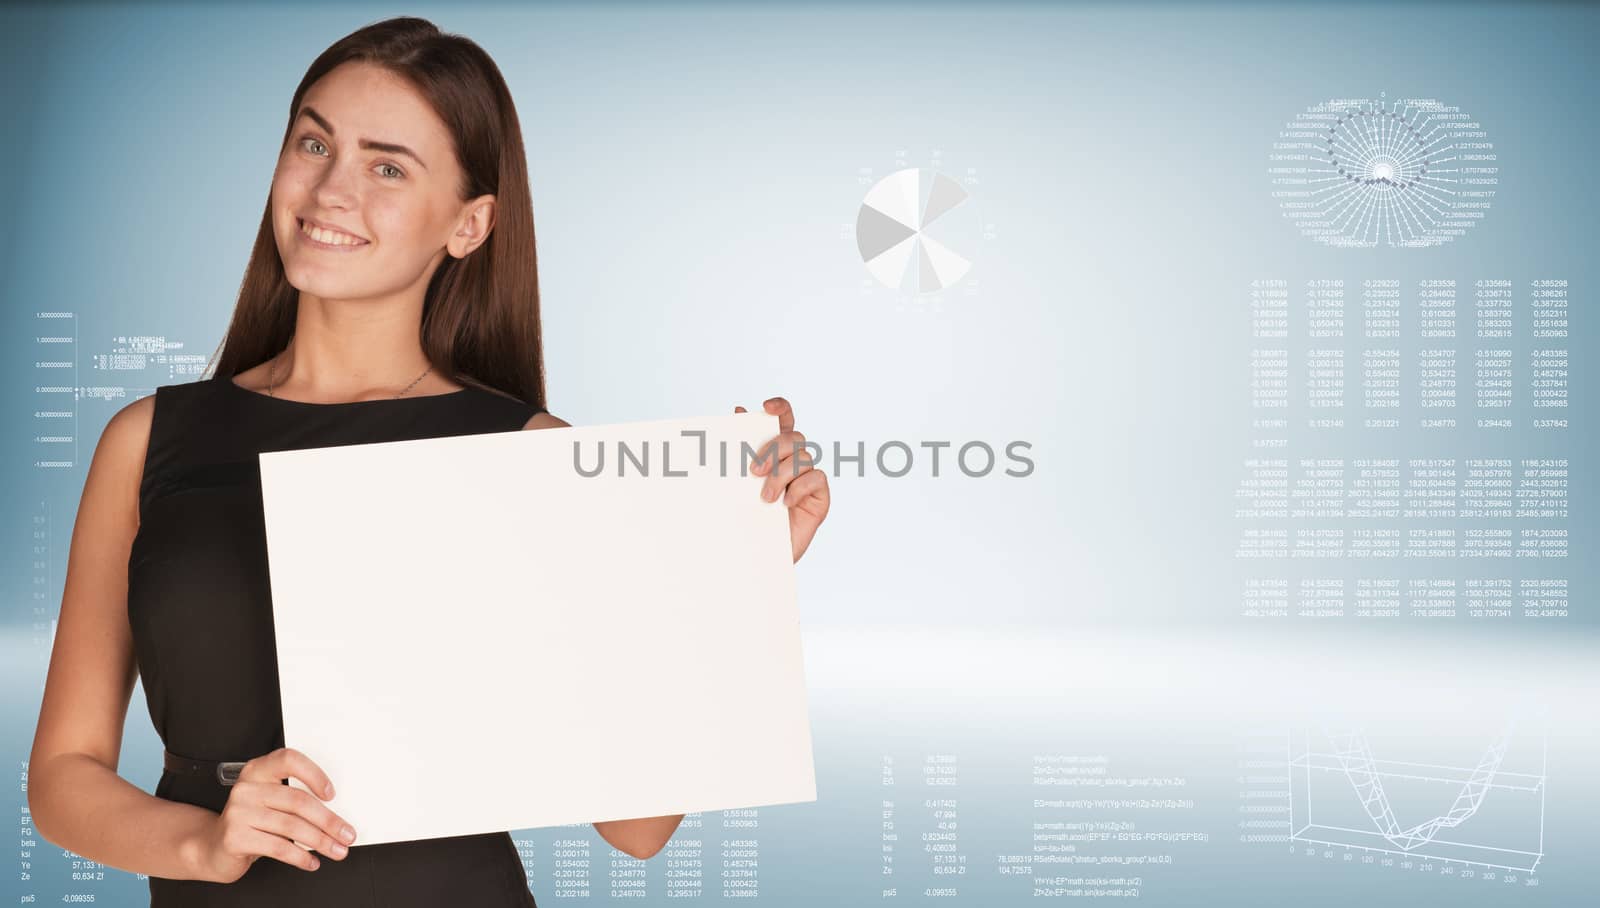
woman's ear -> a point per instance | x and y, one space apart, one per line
476 222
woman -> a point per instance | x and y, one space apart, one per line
391 295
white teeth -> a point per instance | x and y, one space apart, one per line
328 236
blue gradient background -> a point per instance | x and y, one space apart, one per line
696 170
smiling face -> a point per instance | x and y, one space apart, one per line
371 163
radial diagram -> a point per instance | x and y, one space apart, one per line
1410 172
892 224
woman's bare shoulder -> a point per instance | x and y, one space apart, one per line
118 463
546 421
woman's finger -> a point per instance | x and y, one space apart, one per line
789 469
810 483
286 762
280 848
314 811
775 450
293 801
780 408
298 829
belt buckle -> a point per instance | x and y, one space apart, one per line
228 771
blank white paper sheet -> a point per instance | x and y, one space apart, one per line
474 636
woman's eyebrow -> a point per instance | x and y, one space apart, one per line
389 147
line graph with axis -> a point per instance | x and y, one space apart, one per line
1367 172
1485 813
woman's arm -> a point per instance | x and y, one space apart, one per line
643 837
75 796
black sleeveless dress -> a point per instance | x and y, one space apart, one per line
200 609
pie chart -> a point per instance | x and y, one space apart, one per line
892 230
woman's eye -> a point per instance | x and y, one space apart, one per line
397 171
309 139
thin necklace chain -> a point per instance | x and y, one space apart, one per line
272 372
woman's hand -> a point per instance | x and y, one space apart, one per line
265 818
804 490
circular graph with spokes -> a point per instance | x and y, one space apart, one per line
892 230
1374 172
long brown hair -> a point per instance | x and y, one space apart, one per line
480 314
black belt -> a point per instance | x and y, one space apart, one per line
226 772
